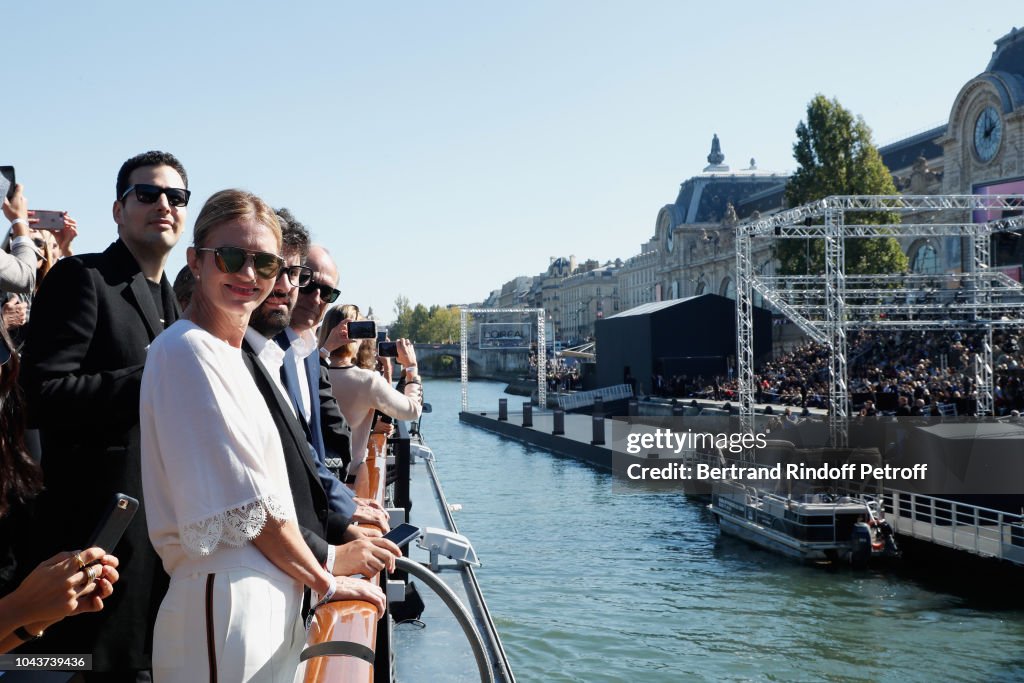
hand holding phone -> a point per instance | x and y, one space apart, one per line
403 534
7 181
114 522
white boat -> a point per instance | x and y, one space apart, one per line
816 527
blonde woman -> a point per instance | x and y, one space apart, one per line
219 508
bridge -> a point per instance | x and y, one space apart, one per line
444 359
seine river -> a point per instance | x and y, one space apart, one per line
587 585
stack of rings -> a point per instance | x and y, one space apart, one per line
91 572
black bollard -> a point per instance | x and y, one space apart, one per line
598 431
598 406
502 409
559 419
633 407
527 414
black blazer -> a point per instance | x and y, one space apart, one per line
334 428
91 325
319 526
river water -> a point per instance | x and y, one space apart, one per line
589 585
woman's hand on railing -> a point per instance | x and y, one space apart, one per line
351 588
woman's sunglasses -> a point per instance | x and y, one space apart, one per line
328 294
150 194
267 266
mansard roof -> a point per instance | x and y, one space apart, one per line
704 197
1009 53
903 153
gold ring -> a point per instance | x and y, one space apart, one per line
78 558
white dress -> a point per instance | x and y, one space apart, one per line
212 471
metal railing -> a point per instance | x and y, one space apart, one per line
352 622
579 399
975 529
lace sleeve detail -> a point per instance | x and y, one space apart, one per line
234 527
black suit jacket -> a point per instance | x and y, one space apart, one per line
319 526
92 322
336 432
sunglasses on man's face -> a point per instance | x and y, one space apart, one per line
232 259
328 294
150 194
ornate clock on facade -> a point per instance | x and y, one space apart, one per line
666 225
988 133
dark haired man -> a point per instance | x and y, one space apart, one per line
344 548
92 322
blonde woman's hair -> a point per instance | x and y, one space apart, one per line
228 205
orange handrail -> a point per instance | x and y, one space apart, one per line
350 620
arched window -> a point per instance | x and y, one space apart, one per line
925 260
727 288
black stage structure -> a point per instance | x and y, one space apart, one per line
692 336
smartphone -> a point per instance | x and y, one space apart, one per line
403 534
114 522
387 349
382 335
362 329
48 220
7 181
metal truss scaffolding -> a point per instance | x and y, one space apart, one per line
829 305
542 377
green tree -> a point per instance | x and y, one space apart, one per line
836 156
442 327
417 320
403 317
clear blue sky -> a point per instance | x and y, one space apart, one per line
440 149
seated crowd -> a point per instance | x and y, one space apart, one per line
226 405
902 372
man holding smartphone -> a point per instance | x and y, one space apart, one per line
92 322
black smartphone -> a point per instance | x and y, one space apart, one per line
7 181
403 534
114 522
387 349
362 329
382 335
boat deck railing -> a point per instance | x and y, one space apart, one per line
350 621
805 523
972 528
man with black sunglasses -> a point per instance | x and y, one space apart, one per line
92 322
310 305
314 411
